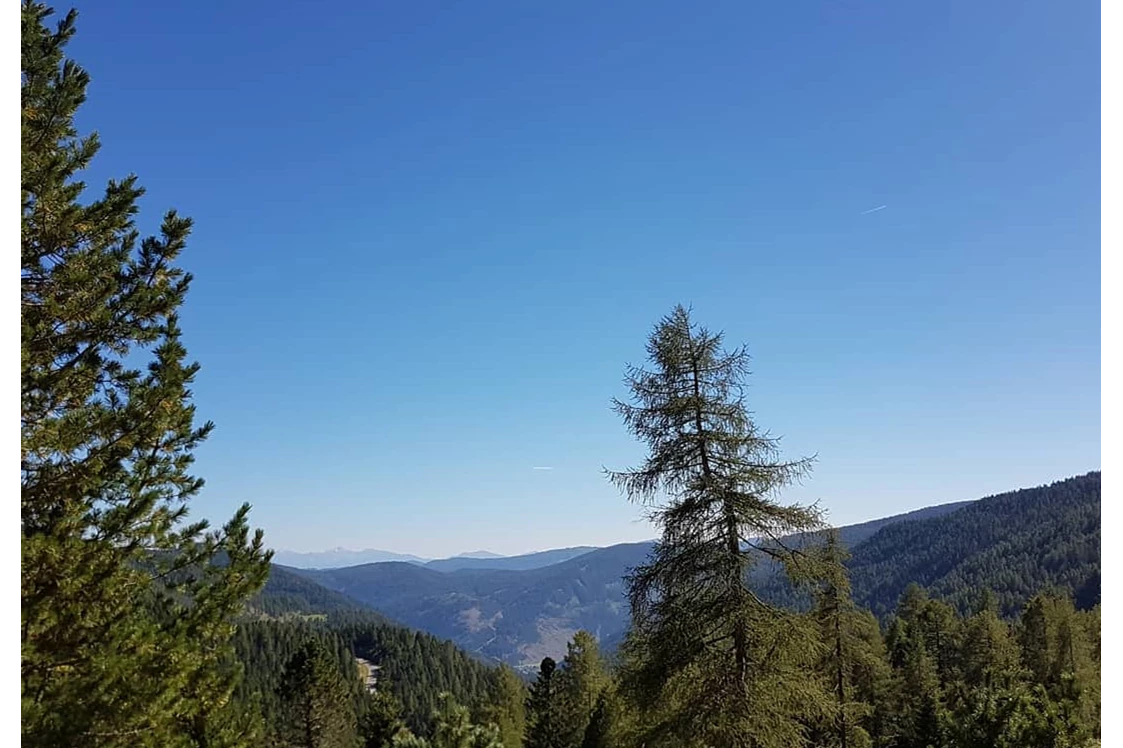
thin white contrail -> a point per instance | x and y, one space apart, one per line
542 468
872 210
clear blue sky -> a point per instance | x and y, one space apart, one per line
430 236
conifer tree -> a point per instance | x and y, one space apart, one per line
453 728
126 606
317 709
598 733
508 707
381 720
581 681
543 717
920 713
1057 651
711 659
991 703
851 660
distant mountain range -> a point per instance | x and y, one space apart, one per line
524 562
523 608
338 558
529 606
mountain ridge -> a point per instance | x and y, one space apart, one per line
1014 542
519 616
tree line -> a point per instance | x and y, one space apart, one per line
933 678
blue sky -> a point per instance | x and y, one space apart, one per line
430 236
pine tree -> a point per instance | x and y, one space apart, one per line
712 660
543 709
382 720
126 607
508 706
317 709
454 728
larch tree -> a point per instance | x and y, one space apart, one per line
581 682
712 662
126 606
852 660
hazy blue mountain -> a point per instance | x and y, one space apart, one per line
339 557
513 563
288 592
522 608
514 616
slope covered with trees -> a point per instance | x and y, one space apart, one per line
415 667
1013 544
521 616
516 617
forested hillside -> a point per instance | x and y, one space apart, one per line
288 594
412 665
1014 544
517 617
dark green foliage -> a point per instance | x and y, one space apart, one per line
982 681
453 728
544 709
1060 648
711 660
382 720
852 660
266 648
126 607
1014 544
287 593
414 668
315 709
